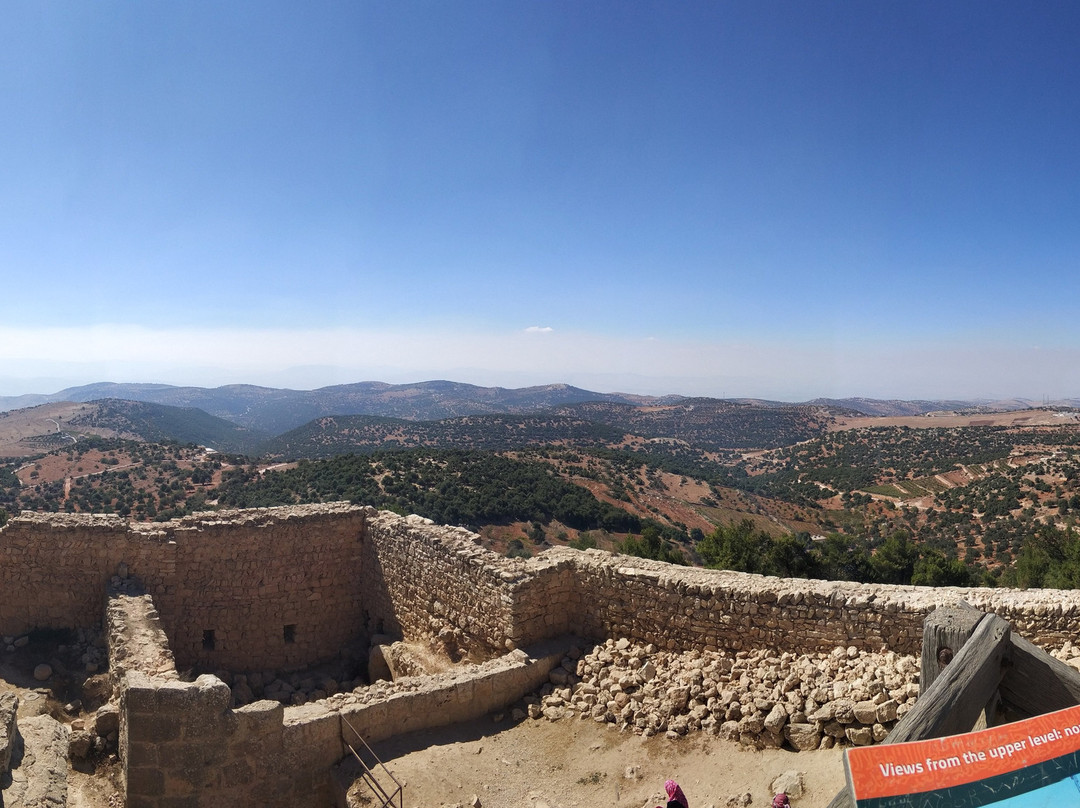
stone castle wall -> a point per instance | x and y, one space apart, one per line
685 608
423 581
278 587
296 585
266 588
182 743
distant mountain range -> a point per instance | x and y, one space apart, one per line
371 415
274 411
277 410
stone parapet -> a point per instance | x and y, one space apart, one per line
278 587
274 587
425 702
428 582
183 745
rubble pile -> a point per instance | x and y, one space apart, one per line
289 688
1067 653
758 698
85 649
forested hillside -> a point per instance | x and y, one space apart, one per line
758 487
451 487
334 435
157 423
710 424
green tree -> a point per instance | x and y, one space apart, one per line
844 558
735 547
789 557
651 545
894 561
934 569
584 541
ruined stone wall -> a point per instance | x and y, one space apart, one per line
263 588
424 582
684 608
334 573
549 601
182 744
275 587
54 568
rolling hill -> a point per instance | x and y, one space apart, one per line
276 410
52 426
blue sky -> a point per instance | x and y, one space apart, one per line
776 199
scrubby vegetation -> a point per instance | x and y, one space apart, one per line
451 487
753 488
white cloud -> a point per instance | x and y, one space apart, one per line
539 329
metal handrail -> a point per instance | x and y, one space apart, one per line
369 775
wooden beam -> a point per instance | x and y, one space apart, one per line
945 631
1036 683
954 702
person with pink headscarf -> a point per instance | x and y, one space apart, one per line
675 796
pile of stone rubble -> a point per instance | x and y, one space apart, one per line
86 650
757 698
286 687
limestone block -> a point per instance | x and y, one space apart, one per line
804 737
789 782
866 712
834 729
106 720
887 711
860 736
775 720
9 705
844 710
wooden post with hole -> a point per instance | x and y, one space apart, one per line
972 661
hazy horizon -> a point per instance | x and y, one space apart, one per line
747 199
47 387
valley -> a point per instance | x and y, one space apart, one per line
963 496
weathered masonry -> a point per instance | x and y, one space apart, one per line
282 587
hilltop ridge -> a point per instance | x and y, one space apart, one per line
277 410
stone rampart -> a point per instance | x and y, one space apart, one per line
54 568
279 587
684 608
265 588
183 744
275 587
427 582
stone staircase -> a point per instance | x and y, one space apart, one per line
33 758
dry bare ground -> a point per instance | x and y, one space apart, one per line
17 427
531 764
573 762
1012 418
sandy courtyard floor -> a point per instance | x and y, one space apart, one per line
542 764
